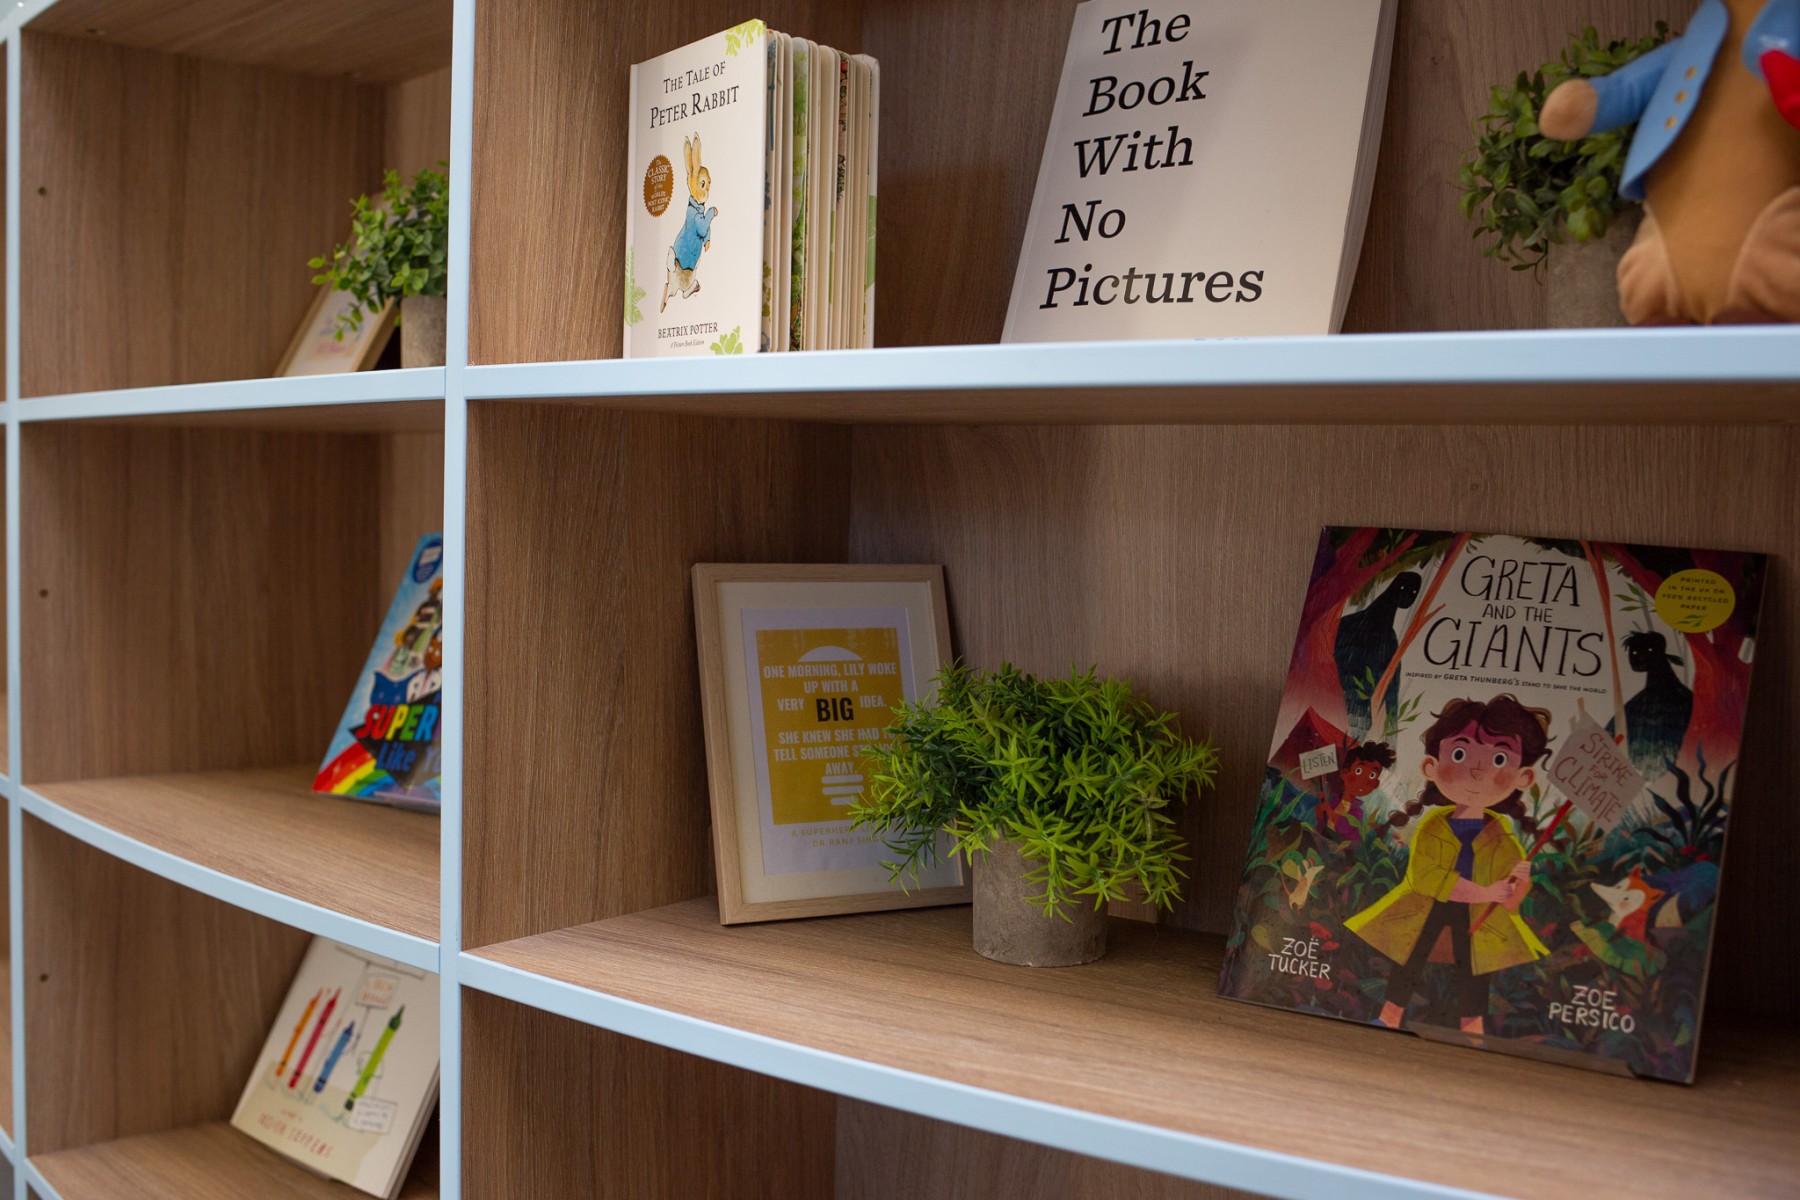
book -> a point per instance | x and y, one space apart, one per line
1496 800
1206 171
386 747
751 197
349 1074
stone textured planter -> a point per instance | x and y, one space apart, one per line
1009 928
1581 285
422 331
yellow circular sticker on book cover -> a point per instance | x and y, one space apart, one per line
827 696
1695 601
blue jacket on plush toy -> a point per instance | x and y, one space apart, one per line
1660 89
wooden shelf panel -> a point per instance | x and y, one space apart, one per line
203 1162
377 41
266 828
1709 376
1140 1037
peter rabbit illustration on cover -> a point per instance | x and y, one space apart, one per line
696 227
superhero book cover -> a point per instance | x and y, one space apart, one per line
386 746
1495 806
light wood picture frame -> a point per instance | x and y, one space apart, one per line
800 668
315 349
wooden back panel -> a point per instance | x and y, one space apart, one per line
584 761
200 599
146 1003
169 207
565 1109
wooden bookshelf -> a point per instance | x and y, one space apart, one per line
200 555
267 828
202 1162
1140 1037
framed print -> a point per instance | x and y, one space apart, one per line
316 350
801 667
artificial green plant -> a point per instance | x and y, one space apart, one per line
1084 776
1524 191
399 246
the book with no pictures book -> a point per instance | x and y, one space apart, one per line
1495 805
750 206
348 1076
386 746
1206 172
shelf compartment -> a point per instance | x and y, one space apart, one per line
1606 377
1134 1059
211 1161
362 873
170 203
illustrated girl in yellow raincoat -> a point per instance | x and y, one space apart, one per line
1466 872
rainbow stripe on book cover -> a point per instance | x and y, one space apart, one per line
1495 804
387 743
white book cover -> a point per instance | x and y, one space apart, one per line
349 1073
696 197
1206 170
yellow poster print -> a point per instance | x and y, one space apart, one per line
827 695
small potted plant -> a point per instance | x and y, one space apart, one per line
398 250
1525 191
1061 795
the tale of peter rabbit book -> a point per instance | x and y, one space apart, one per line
1495 805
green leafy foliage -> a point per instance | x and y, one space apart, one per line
1524 190
729 343
633 293
1085 776
399 246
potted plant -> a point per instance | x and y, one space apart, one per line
1525 191
398 250
1061 795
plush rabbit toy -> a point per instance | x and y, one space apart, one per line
1716 158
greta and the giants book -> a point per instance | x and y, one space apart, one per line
1495 805
386 746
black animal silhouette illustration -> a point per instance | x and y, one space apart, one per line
1656 719
1366 644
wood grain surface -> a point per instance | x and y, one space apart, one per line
418 124
168 569
547 248
1141 1036
211 1161
369 40
169 207
584 760
886 1154
145 1004
560 1109
267 827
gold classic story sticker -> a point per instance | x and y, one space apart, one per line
659 185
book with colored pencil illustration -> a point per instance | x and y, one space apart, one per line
349 1073
1495 804
386 746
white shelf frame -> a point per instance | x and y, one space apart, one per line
1563 359
1719 356
1190 1156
